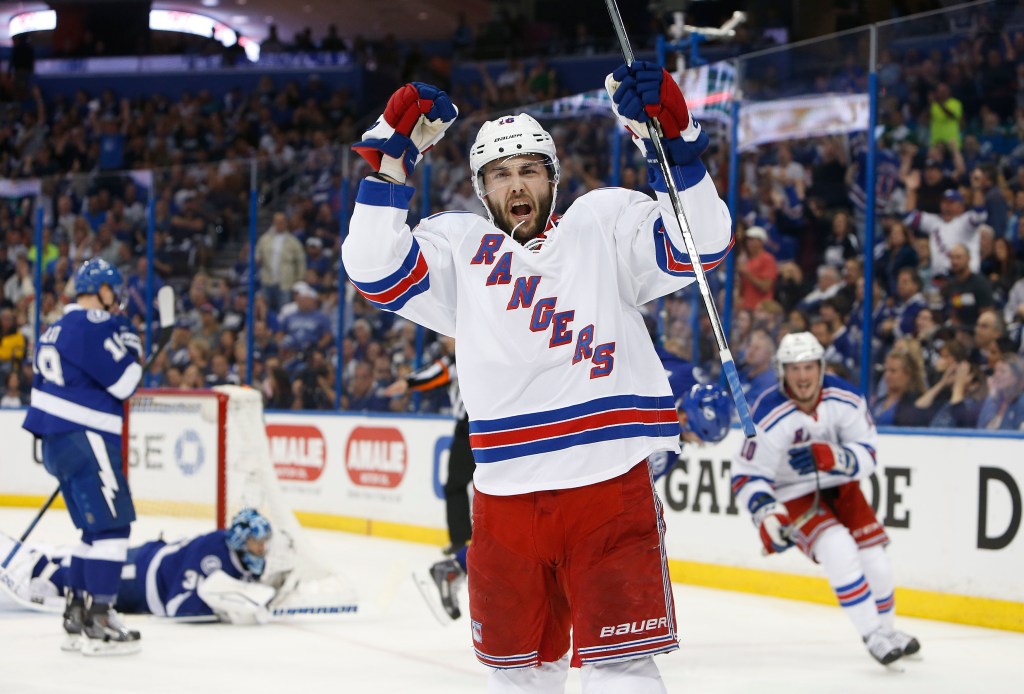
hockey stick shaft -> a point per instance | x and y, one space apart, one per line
165 304
28 531
9 586
724 353
790 530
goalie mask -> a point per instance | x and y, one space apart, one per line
514 204
248 536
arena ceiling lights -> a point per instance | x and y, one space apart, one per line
159 20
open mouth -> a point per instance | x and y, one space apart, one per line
521 211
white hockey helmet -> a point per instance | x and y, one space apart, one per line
506 137
799 347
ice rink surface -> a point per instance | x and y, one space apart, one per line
731 642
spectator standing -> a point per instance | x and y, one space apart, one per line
950 227
282 261
946 115
757 271
965 293
984 180
898 254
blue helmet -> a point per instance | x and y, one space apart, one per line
708 412
94 273
249 523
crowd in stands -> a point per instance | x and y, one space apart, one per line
948 315
947 320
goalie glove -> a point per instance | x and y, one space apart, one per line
234 601
644 90
413 121
827 457
772 519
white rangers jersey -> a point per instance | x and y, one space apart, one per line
943 235
841 417
557 370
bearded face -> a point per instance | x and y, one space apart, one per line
518 192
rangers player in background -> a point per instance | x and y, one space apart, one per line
86 366
215 574
800 479
565 392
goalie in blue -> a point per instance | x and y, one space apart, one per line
214 575
86 366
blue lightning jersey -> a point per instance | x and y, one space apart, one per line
86 366
682 375
162 578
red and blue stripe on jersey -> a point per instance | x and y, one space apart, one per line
677 263
603 419
395 290
412 277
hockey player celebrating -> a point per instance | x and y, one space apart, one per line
800 480
215 574
565 393
86 366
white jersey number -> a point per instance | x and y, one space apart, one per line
48 364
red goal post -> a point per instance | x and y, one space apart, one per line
175 452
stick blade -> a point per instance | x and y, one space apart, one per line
165 306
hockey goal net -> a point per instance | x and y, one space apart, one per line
205 454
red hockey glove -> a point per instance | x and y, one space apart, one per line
414 121
827 457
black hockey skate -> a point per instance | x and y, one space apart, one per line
106 634
440 589
882 647
445 574
906 643
74 617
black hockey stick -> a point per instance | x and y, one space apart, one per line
31 526
728 363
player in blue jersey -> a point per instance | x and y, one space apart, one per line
212 575
86 366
